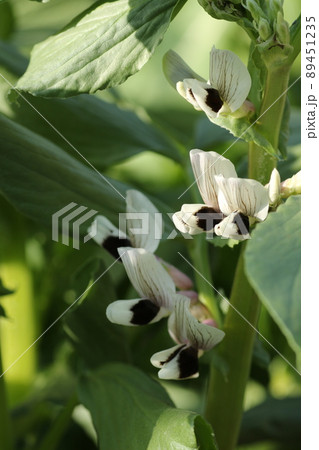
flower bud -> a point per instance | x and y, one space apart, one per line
181 280
210 322
264 29
200 312
291 186
275 6
274 188
192 295
255 10
282 29
246 109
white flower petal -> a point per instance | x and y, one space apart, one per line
234 226
185 220
206 98
134 312
187 95
274 188
185 329
148 276
176 69
206 165
102 228
160 358
145 229
244 195
181 363
108 236
196 218
229 75
180 224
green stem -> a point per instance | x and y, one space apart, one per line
200 257
224 411
261 163
6 436
225 396
52 438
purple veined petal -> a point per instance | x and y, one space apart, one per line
148 276
144 223
206 166
249 197
229 75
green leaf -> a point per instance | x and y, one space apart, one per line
7 22
2 312
257 70
108 134
12 60
232 11
217 241
4 290
207 134
276 420
39 178
100 48
94 338
121 397
273 267
242 128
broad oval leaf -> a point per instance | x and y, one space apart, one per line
39 178
273 267
100 48
276 420
108 134
121 397
86 324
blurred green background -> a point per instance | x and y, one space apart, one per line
41 373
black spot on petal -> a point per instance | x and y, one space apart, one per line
208 218
213 100
112 243
242 223
172 355
191 94
144 312
188 362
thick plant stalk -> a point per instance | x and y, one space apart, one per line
224 410
200 257
225 396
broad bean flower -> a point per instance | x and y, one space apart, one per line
223 94
111 238
152 283
230 203
192 337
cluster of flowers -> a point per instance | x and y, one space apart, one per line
231 205
155 282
